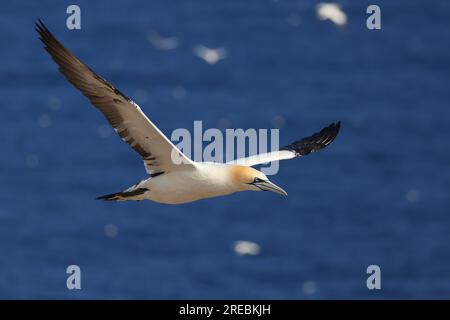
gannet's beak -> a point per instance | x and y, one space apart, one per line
266 185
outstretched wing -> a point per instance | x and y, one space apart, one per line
125 116
299 148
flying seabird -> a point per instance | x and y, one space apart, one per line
161 43
332 12
173 177
210 56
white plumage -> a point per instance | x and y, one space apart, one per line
332 12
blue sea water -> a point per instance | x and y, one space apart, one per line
378 195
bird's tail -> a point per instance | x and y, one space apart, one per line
135 194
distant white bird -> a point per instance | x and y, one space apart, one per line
173 178
161 43
333 12
243 248
211 56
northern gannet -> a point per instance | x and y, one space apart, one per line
161 43
170 181
333 12
210 56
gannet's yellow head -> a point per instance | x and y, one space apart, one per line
247 178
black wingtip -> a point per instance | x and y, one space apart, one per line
335 125
40 26
334 128
316 141
41 29
328 134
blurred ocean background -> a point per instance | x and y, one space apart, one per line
378 195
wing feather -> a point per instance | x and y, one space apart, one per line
299 148
125 116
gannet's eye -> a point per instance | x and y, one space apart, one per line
256 180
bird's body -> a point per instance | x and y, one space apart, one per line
204 180
332 12
210 56
173 177
161 43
